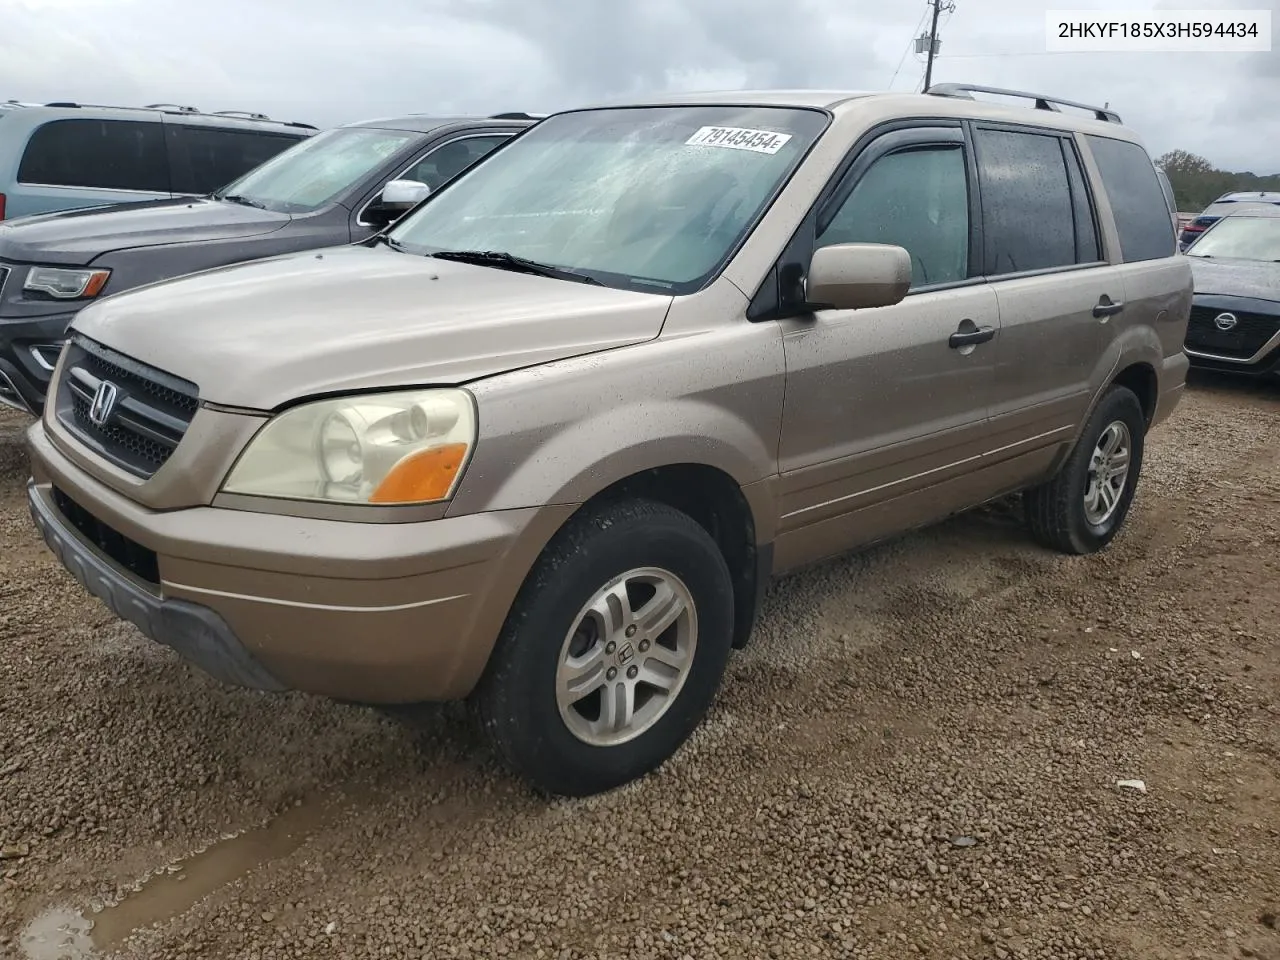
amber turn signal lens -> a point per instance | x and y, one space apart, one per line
423 476
96 283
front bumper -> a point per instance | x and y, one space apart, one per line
366 612
196 633
28 351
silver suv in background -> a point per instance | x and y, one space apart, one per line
336 187
63 156
542 444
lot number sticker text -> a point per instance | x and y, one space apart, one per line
738 138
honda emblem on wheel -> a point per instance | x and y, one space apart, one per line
104 403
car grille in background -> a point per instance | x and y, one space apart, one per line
1247 337
129 554
151 413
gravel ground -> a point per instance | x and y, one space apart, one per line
918 756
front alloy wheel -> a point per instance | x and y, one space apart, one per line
627 657
612 651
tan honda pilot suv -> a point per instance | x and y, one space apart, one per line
542 444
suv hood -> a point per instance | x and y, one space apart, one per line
1255 279
77 237
262 334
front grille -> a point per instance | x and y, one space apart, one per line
129 554
142 413
1247 337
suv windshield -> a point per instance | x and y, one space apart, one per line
312 174
636 198
1241 238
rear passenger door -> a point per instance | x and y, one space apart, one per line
1043 258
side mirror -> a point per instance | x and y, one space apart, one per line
404 193
853 276
397 198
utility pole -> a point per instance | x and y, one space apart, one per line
931 42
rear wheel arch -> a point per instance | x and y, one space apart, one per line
1140 378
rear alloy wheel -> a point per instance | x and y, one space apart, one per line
612 652
1084 506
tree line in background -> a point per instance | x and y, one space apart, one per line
1197 183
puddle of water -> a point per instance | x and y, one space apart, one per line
65 934
59 934
178 889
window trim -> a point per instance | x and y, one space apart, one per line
1070 151
1066 140
418 158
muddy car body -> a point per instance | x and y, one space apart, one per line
543 444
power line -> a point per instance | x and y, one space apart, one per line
910 44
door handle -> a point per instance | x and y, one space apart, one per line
969 337
1106 307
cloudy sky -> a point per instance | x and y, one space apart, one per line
331 61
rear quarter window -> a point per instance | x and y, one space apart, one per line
1137 200
98 154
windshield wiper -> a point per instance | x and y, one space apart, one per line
507 261
244 201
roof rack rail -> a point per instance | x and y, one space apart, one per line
517 115
178 108
965 91
246 114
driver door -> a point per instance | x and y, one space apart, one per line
887 410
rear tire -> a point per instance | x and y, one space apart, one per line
612 652
1084 506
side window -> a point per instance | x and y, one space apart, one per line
917 199
1137 201
1027 211
101 154
447 161
206 158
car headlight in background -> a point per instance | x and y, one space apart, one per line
66 284
394 448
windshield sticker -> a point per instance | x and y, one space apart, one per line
738 138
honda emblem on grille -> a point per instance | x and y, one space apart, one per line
1225 321
104 403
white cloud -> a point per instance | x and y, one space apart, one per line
332 61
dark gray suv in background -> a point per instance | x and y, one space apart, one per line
334 188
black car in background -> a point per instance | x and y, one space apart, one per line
337 187
1235 316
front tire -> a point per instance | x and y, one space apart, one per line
613 650
1084 506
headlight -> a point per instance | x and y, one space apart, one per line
66 284
395 448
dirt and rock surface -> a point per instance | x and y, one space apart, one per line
918 756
